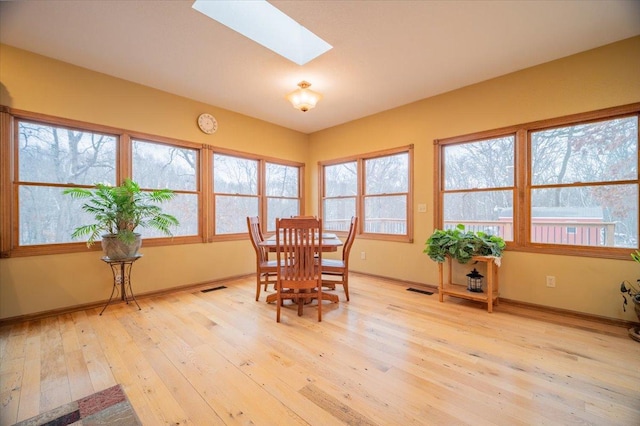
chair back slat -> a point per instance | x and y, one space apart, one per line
353 228
256 236
265 269
297 242
299 254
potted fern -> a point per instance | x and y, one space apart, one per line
462 245
118 211
633 291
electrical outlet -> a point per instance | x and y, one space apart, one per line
422 208
363 255
551 281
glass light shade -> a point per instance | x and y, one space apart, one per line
304 98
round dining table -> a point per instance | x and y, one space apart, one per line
330 242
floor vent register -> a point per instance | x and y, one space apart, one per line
417 290
207 290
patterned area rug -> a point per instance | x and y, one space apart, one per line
108 407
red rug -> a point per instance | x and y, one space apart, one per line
108 407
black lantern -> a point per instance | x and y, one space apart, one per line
474 281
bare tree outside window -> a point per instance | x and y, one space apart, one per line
581 174
340 192
53 154
160 166
386 194
235 187
283 193
50 159
575 193
375 187
237 192
479 185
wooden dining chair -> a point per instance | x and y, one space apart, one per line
266 270
338 269
299 276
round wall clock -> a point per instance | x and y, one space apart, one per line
207 123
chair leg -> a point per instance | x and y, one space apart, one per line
258 287
278 303
345 284
320 303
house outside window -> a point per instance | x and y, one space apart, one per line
586 175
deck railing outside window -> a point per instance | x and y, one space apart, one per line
601 234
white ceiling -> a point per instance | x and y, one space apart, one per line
385 53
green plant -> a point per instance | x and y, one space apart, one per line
119 210
462 245
628 288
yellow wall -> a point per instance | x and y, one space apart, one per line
600 78
38 84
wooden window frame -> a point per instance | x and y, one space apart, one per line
200 151
299 196
262 191
9 185
322 191
360 196
522 195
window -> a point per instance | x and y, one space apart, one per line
50 159
479 185
386 194
56 154
216 190
283 193
564 186
376 187
235 192
160 166
586 175
341 194
249 186
53 154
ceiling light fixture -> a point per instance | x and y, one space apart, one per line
304 98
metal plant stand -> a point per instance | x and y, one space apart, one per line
121 270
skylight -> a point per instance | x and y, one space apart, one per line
266 25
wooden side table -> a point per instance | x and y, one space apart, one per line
121 270
490 296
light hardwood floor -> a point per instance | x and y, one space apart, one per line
387 357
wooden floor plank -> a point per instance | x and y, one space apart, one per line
30 386
145 335
10 394
389 356
54 378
